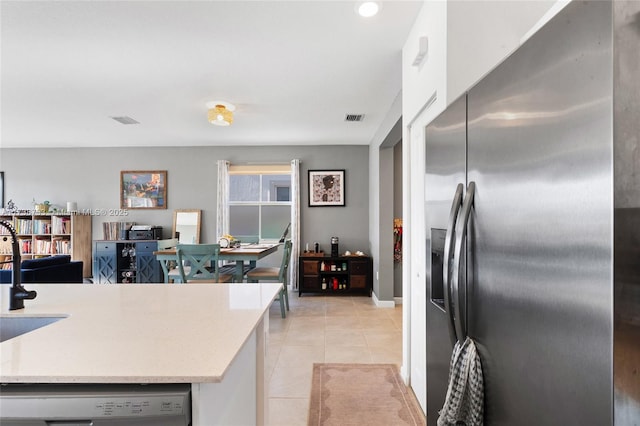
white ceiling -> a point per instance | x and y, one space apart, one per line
292 68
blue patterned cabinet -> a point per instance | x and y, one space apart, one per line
126 261
147 266
104 262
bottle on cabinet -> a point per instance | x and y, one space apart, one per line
324 283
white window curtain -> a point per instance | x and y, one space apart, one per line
295 223
222 223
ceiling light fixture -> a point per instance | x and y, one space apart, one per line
220 113
368 9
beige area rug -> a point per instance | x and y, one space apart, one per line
361 394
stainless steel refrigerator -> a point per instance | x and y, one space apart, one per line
532 193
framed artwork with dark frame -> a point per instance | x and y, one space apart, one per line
1 190
143 189
327 188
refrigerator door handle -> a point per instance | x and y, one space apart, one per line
448 254
460 235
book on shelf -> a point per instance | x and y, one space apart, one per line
60 225
60 245
25 245
5 247
42 247
42 226
112 230
5 262
23 226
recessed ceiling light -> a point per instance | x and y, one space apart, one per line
368 9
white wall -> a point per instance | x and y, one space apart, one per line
466 40
480 34
424 96
420 83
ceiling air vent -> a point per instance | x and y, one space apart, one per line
354 117
125 120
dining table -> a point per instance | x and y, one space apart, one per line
249 253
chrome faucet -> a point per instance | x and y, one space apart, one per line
17 293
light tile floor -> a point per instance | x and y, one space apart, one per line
348 329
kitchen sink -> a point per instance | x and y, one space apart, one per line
12 326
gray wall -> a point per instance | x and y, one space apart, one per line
90 177
385 232
382 237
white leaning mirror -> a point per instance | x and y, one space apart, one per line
186 223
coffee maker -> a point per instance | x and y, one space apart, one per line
334 247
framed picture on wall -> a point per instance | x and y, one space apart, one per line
1 190
143 189
326 188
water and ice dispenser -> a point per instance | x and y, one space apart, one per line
437 267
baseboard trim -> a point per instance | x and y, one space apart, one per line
404 374
382 303
397 300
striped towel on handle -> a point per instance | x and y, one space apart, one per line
464 402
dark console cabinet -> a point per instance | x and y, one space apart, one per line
127 261
335 275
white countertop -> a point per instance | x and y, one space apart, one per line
133 333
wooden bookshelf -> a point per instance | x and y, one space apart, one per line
47 234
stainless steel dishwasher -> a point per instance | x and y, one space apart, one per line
95 405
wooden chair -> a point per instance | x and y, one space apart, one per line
170 265
203 263
275 274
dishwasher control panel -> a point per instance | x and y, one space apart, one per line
153 404
137 406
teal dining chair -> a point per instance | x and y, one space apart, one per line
169 266
275 274
199 263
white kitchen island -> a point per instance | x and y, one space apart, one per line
212 336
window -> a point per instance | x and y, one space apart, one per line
259 202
